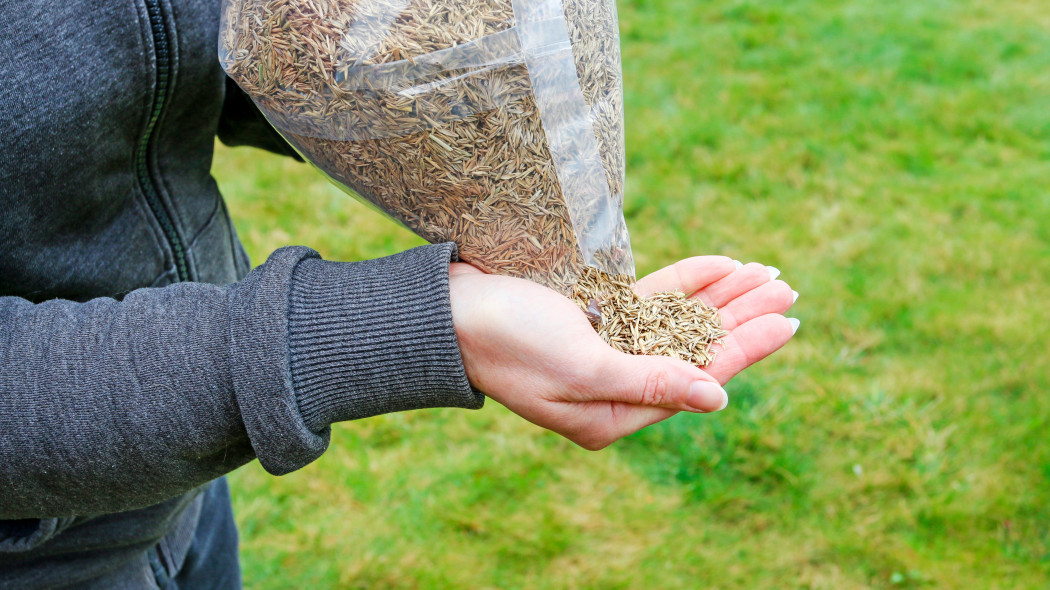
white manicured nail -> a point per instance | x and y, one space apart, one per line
794 296
774 272
703 395
794 325
738 264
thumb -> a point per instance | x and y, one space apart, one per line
660 382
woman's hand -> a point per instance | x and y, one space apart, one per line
533 350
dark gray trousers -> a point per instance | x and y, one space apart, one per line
212 562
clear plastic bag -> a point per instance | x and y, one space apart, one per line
496 124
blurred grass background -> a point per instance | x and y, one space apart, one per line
893 159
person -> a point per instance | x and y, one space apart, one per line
142 359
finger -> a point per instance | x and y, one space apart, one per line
623 420
653 381
772 297
688 276
736 284
749 343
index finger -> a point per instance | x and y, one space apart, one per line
749 343
688 276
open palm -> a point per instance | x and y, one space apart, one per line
534 351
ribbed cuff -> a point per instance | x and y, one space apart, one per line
316 342
375 337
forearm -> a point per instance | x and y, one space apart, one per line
108 405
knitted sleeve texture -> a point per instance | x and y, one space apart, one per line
111 405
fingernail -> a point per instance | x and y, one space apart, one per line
705 396
774 272
738 264
794 296
794 325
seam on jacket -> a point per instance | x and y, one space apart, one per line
164 278
192 243
288 335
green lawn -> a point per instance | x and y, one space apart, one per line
893 159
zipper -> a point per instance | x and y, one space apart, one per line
162 54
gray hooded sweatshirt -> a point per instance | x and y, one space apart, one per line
139 357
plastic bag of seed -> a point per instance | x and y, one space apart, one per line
496 124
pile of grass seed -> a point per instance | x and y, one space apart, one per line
664 324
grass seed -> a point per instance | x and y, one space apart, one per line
663 324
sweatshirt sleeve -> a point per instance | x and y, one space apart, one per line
112 405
